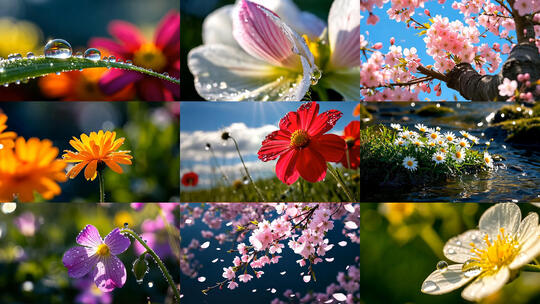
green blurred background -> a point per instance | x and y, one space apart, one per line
402 243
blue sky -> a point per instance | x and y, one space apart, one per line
248 123
407 37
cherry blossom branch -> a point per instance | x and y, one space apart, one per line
432 73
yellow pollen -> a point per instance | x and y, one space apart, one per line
299 138
433 135
497 253
439 157
449 138
462 144
313 47
458 154
150 57
103 250
487 160
409 163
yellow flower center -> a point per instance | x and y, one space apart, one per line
439 157
313 47
462 143
150 57
410 163
433 135
498 253
487 160
417 143
449 138
349 140
103 250
458 154
299 138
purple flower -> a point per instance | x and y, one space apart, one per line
90 294
98 257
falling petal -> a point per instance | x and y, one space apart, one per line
349 207
307 278
342 243
201 279
351 225
339 296
205 245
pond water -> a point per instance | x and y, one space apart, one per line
517 178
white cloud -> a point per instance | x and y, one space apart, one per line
249 140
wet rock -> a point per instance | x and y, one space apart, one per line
525 131
434 111
512 112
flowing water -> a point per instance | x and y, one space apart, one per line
517 178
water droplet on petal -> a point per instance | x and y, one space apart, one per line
57 48
112 59
92 54
126 225
471 268
442 266
429 286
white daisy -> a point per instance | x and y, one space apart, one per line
396 126
459 155
474 139
434 135
488 160
439 157
410 163
417 142
413 134
441 142
502 245
450 136
462 142
465 134
400 142
431 143
421 128
403 135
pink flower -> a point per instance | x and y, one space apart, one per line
228 273
524 7
27 224
232 285
372 19
245 277
161 55
507 88
98 256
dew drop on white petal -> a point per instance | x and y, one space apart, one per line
339 296
201 279
342 243
428 286
442 266
351 225
8 207
205 245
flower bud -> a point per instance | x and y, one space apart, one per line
140 268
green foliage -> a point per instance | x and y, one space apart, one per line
523 131
24 69
275 191
382 160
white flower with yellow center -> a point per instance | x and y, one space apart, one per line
400 142
459 155
434 135
441 141
396 126
413 134
489 256
462 142
410 163
449 136
488 160
417 142
403 135
439 157
474 139
465 134
432 143
421 128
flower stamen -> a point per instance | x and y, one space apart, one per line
299 139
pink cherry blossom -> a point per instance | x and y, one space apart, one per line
507 88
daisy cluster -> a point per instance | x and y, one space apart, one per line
443 147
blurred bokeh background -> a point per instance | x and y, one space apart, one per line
193 14
402 243
151 131
27 25
34 238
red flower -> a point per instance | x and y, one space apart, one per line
161 55
190 179
351 135
302 146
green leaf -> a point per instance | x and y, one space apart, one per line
24 69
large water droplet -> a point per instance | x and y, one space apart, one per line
471 268
442 266
112 59
315 76
78 55
129 62
126 225
429 286
57 48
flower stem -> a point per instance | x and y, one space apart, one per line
531 268
340 182
156 259
101 180
261 197
301 180
432 239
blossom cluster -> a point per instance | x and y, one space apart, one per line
442 147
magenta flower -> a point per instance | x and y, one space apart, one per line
98 257
161 55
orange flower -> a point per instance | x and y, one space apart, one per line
81 86
95 151
30 166
6 138
356 111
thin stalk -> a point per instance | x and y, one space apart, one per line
301 180
156 259
348 157
101 180
261 197
531 268
340 182
433 240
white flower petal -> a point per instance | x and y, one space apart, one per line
528 227
443 282
345 82
507 216
217 27
529 250
458 248
302 22
486 285
225 73
344 33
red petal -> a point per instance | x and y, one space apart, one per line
290 122
274 145
311 165
168 34
352 129
286 167
307 113
324 122
354 158
128 34
111 46
331 147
